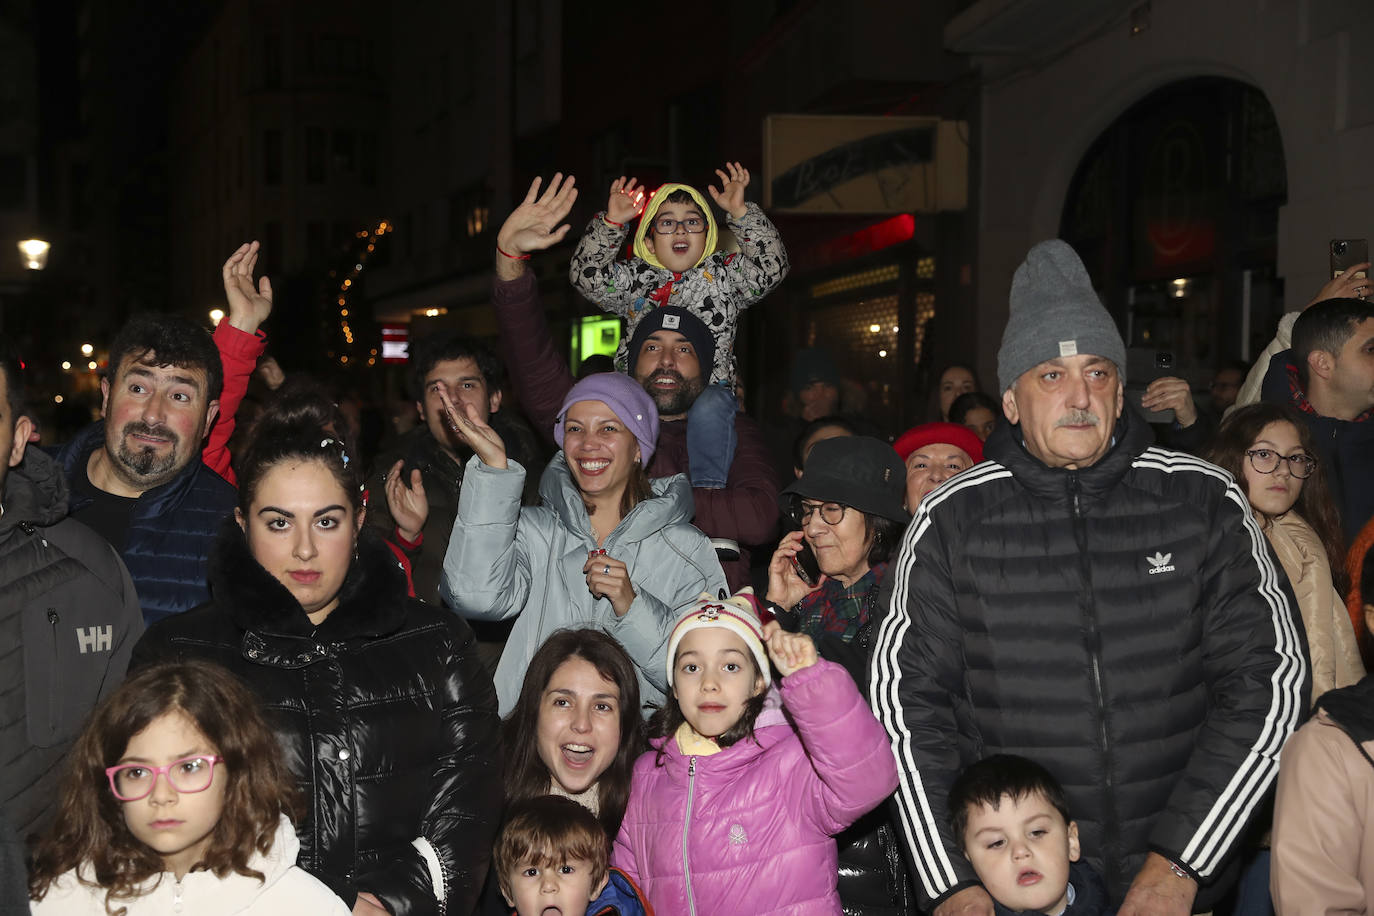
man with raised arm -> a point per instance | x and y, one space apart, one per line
668 356
1106 608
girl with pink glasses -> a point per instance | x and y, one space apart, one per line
175 799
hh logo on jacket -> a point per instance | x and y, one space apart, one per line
95 639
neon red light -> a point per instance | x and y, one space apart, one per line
889 232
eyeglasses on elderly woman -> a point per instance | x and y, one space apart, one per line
801 511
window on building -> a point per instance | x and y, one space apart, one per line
345 152
271 61
14 181
316 241
316 155
367 158
273 250
271 157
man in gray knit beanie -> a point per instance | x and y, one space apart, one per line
1062 363
1101 606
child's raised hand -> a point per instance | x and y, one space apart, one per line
790 652
730 197
626 200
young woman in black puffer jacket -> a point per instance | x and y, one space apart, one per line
385 714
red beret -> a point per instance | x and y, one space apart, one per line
939 434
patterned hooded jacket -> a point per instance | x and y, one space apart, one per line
720 286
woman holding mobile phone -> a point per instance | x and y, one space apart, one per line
848 504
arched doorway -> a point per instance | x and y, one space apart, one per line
1174 209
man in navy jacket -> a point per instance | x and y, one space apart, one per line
137 478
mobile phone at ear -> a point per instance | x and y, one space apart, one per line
1346 252
805 566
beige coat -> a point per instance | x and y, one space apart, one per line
1323 839
1330 637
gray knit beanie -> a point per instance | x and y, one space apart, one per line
1055 312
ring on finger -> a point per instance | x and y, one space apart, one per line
606 570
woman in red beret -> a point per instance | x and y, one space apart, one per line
933 453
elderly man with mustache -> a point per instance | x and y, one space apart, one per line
1104 607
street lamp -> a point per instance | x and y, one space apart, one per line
216 316
87 349
35 253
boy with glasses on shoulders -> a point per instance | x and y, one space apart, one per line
675 263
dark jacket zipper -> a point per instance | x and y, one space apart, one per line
1088 603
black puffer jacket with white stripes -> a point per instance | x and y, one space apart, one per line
1124 624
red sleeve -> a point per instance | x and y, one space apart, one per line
239 351
538 371
401 558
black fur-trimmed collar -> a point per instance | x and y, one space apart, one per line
371 603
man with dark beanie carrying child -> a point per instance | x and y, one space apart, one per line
1099 605
668 364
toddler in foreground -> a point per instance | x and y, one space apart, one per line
1013 820
736 808
551 861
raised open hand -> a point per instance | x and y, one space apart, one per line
534 225
249 306
626 200
464 420
730 197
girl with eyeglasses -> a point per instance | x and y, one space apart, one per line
175 799
1269 450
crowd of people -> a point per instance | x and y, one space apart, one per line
595 656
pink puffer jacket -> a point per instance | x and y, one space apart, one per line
749 830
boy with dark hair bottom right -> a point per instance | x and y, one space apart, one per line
1013 820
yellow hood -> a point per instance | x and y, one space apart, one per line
642 249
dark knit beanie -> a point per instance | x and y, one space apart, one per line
676 318
1055 312
813 364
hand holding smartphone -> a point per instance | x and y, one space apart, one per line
805 566
1347 252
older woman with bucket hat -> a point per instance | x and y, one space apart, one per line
848 502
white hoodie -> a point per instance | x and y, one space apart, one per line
284 889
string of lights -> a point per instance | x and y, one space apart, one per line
366 242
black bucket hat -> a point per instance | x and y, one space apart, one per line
861 472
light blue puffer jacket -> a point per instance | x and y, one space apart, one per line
504 561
